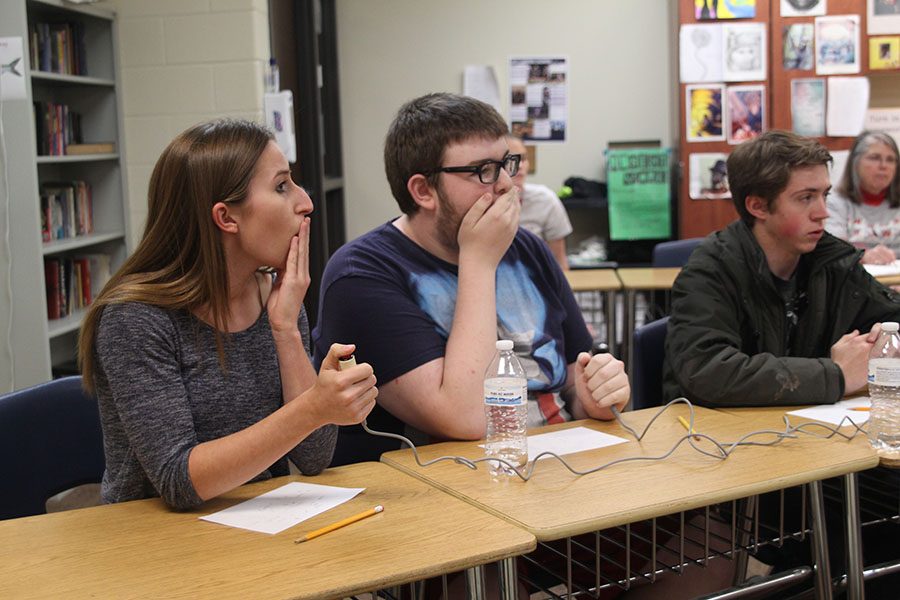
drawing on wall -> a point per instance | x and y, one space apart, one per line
538 105
808 107
709 176
745 51
883 16
884 52
12 69
837 44
703 108
802 8
797 50
700 53
746 112
705 10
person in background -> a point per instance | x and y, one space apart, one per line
542 211
199 359
426 296
864 208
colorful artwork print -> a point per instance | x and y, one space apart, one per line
706 10
884 52
808 107
797 51
746 112
703 107
709 176
837 44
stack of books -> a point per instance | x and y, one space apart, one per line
72 282
58 48
66 210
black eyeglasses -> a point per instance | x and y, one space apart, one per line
488 171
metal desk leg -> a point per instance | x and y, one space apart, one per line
475 583
855 588
628 338
508 581
610 300
819 541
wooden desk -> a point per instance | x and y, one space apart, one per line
641 279
631 492
889 280
607 283
142 549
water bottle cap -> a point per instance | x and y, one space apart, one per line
272 61
890 326
504 345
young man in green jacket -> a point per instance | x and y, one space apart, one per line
772 310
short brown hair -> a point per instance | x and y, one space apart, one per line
849 185
421 132
763 166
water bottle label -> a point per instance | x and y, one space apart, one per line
885 371
504 394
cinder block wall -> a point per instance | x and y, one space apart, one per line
182 62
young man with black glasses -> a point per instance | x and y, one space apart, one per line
424 297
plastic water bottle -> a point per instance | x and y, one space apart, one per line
506 410
884 390
272 81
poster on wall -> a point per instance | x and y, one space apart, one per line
745 51
705 10
883 16
884 52
12 86
703 112
802 8
700 53
709 176
837 45
746 112
797 47
639 194
538 98
808 107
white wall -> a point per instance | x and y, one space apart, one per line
620 84
183 62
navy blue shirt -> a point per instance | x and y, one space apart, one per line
395 301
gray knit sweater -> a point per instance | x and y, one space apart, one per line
162 391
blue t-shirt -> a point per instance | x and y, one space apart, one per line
395 301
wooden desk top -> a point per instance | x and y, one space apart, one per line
555 503
142 549
889 279
603 280
648 278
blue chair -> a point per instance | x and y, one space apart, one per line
646 371
675 253
50 441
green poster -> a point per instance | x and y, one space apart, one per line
639 191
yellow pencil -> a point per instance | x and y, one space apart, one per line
687 426
339 524
861 408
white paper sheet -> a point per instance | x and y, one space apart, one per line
480 81
568 441
834 413
700 53
283 507
848 100
882 270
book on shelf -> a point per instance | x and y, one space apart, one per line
56 126
91 148
73 282
58 48
66 210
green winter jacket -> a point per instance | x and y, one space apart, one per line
725 343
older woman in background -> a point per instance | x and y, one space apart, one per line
864 208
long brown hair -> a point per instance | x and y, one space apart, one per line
179 263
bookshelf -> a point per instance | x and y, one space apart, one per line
699 217
84 80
